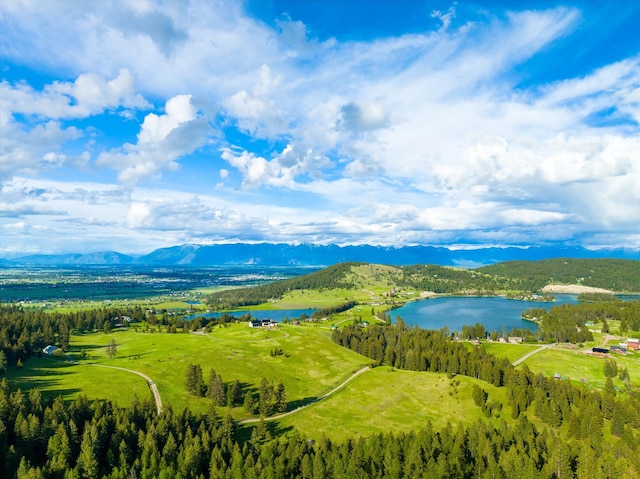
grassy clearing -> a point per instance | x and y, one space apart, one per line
310 366
56 377
384 399
512 352
578 366
302 299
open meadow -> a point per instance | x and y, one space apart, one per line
310 364
386 399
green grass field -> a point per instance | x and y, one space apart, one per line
510 351
385 399
578 366
56 377
310 366
378 400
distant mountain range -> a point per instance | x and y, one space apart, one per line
269 254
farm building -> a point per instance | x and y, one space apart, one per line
49 349
633 344
618 348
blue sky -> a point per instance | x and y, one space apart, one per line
131 126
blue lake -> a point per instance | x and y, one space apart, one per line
495 313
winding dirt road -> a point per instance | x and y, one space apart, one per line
152 385
324 396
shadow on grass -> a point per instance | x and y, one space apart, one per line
48 387
298 403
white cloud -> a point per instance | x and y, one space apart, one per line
422 138
162 140
88 95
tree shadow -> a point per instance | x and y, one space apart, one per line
298 403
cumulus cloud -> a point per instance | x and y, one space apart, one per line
423 137
88 95
161 141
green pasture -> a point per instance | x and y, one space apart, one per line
302 299
55 377
510 351
578 365
311 365
385 399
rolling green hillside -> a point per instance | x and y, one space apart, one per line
364 281
361 281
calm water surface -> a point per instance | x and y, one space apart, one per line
495 313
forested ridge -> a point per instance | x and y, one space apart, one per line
439 279
519 276
327 278
613 274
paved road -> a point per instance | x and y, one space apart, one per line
152 385
531 353
337 388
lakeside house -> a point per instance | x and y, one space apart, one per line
263 323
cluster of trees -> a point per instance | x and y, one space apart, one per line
567 323
418 349
268 399
476 331
23 333
321 313
612 274
51 439
595 297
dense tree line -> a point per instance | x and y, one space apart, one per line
83 439
412 348
321 313
568 321
612 274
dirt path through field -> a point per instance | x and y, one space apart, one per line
531 353
152 385
324 396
